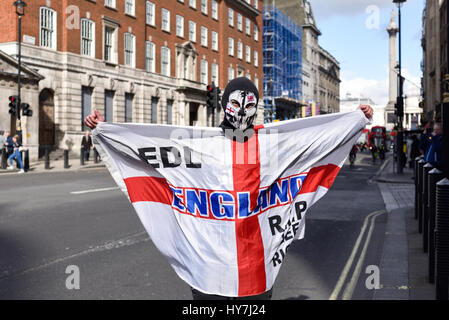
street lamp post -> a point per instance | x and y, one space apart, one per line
400 99
20 11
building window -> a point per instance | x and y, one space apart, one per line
248 54
214 41
47 28
248 26
165 20
86 103
214 73
204 6
109 47
231 73
239 50
150 19
192 3
192 31
256 4
154 102
165 61
230 46
129 107
130 7
203 70
256 82
256 33
150 56
109 3
239 22
230 17
87 38
108 105
169 111
203 36
130 52
214 10
256 59
180 26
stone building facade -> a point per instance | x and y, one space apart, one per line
133 60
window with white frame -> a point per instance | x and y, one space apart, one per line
204 6
165 61
214 73
48 28
192 3
214 40
192 31
150 13
150 56
203 70
214 10
231 73
230 17
256 4
130 7
240 50
109 3
256 33
180 26
203 36
256 82
248 26
88 38
109 44
239 22
130 51
256 59
230 46
248 54
165 20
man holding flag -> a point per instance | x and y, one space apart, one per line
224 204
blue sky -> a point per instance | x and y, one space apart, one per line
354 31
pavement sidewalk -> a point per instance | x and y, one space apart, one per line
57 166
404 265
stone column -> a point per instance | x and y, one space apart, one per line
392 30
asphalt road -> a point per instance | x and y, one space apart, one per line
48 224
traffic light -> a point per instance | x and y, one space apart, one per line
13 104
26 110
217 97
210 95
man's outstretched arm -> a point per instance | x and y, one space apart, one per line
367 110
93 119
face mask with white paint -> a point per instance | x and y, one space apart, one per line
241 109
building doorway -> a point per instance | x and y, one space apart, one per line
46 121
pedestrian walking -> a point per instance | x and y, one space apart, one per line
86 144
16 155
435 150
239 102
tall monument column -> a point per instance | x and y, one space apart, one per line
392 30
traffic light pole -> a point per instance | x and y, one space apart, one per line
400 108
19 68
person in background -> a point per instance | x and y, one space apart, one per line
86 144
8 144
16 155
424 141
435 150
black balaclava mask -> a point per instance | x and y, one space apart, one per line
239 94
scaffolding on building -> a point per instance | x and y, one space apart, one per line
282 62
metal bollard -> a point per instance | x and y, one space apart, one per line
421 164
26 161
66 159
4 158
442 240
435 175
425 198
415 178
82 157
47 158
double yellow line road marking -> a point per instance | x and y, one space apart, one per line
351 284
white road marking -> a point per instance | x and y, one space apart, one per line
349 263
94 190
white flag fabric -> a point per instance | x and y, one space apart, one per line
223 211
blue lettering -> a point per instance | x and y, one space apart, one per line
177 202
222 205
195 201
243 206
279 193
295 185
